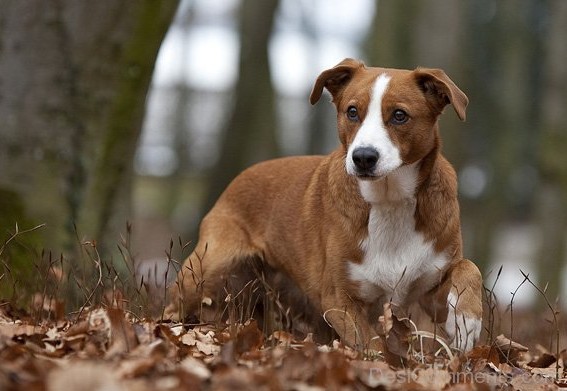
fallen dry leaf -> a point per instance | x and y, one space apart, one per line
507 344
510 351
12 329
249 338
283 337
122 336
136 367
333 371
374 373
433 378
81 328
484 352
543 361
397 333
104 349
196 367
189 338
83 376
208 348
531 382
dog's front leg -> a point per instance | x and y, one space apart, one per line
457 302
350 322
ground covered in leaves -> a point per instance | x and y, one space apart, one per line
108 349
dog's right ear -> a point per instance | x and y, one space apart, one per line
334 79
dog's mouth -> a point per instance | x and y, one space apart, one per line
373 173
367 176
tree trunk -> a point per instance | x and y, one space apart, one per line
250 135
73 81
391 39
107 195
553 159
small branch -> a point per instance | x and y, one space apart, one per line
98 264
554 313
512 314
492 305
17 233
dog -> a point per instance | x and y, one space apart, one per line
375 221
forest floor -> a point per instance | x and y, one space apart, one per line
111 343
105 348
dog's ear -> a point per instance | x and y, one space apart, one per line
334 79
441 90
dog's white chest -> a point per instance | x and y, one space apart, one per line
396 255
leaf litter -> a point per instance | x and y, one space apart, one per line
108 349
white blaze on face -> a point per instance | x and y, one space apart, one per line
372 133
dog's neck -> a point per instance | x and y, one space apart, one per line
397 187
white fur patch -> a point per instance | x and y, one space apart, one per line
398 186
463 330
395 254
372 133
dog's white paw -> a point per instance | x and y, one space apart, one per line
463 329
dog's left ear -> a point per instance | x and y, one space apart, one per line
437 86
334 79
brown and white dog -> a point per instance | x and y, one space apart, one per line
376 220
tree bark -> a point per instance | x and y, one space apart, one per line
73 81
391 39
552 212
107 194
251 133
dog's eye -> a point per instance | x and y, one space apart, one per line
399 117
352 113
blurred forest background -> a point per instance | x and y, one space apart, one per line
84 150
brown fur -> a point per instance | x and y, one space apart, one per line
305 216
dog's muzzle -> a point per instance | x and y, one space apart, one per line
365 160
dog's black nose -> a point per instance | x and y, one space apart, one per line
365 158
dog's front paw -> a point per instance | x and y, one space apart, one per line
462 328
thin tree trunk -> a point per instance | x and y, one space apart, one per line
250 135
553 159
391 39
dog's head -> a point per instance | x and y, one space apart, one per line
387 117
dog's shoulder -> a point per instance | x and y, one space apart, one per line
438 214
440 181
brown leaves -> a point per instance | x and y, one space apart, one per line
122 336
509 361
107 349
397 333
249 339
